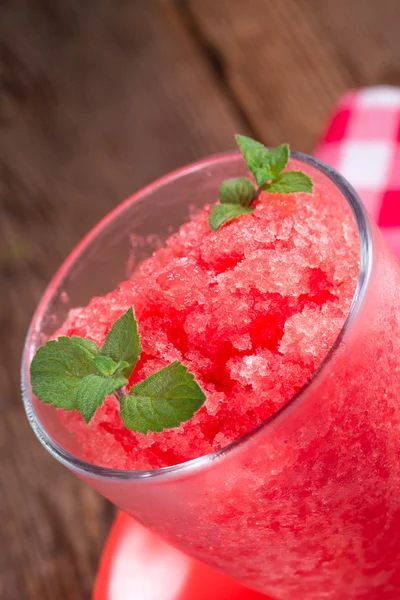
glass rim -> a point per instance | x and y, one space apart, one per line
186 468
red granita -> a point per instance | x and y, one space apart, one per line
251 310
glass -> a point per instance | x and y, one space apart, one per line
308 505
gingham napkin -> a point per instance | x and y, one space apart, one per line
362 142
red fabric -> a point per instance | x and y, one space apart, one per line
362 142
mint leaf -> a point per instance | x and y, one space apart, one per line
57 370
278 158
120 367
264 164
123 342
256 157
163 400
222 213
237 191
290 182
87 344
105 365
92 392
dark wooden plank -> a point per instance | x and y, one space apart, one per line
288 62
96 99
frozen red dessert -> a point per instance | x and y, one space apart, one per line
251 309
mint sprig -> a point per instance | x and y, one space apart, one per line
74 373
222 213
237 195
92 392
237 191
264 164
123 342
163 400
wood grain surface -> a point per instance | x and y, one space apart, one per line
96 99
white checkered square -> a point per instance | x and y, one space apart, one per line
379 96
366 164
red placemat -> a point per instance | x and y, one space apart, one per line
362 142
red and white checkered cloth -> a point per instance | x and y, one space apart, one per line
362 142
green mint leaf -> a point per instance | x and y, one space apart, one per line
105 365
121 366
163 400
278 158
123 342
87 344
262 176
256 157
57 370
237 191
222 213
92 392
290 182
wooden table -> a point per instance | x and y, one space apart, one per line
96 99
